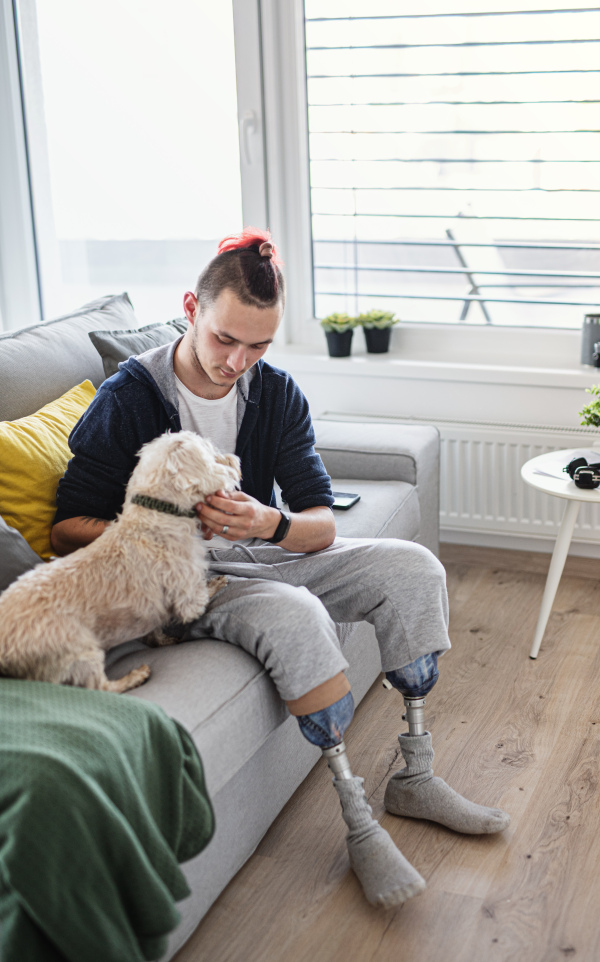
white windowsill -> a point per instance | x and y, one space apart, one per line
394 365
444 352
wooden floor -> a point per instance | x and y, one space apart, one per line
507 731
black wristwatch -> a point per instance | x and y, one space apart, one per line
282 528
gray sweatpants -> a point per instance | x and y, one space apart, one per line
281 607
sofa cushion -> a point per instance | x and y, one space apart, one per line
39 363
34 452
387 509
219 693
369 450
116 346
16 557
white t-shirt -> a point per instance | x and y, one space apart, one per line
215 420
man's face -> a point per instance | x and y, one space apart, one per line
228 337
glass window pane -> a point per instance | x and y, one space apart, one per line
140 114
454 162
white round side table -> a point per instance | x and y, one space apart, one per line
574 497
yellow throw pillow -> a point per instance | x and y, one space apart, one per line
34 452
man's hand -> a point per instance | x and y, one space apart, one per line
244 517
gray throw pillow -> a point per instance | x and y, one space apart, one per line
41 363
116 346
16 557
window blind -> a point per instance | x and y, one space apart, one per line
455 160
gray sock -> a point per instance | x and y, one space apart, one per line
417 793
387 878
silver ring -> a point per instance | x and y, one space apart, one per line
225 529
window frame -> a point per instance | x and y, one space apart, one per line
29 254
20 297
286 135
478 342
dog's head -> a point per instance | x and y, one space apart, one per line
183 468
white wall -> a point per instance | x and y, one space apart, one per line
479 374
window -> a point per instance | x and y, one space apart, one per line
132 129
454 164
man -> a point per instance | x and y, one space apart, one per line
289 579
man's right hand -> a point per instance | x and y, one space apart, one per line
67 536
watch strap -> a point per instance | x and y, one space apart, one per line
282 528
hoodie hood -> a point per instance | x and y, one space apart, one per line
156 367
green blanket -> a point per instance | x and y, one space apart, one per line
101 795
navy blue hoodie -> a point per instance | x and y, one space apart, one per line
275 437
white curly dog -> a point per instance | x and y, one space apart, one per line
148 568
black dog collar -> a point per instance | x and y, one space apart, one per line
145 502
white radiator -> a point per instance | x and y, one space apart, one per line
482 497
481 487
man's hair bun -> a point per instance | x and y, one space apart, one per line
250 237
248 264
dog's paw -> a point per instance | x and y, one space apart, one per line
137 677
132 679
215 584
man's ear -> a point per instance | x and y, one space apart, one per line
190 306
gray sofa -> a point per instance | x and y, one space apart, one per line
253 753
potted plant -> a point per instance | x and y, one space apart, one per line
591 412
377 326
338 331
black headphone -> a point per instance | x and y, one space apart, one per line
584 475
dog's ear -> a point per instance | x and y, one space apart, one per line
231 461
182 464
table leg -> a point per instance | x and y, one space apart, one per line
559 556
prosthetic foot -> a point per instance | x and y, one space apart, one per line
386 877
416 792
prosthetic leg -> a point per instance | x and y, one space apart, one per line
415 791
386 877
414 715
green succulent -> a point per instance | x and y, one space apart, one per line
591 412
377 319
338 322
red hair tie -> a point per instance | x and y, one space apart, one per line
249 237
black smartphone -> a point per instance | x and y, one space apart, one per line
344 500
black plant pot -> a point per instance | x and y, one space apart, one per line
378 339
338 343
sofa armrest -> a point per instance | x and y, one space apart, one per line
387 452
